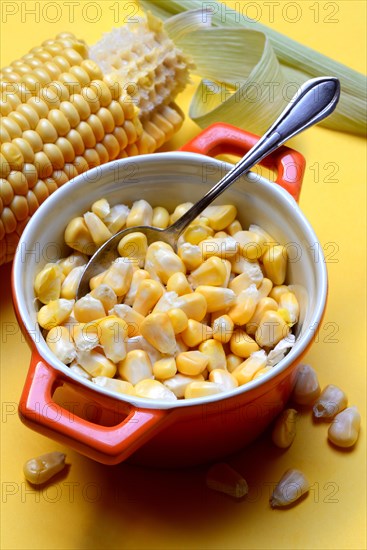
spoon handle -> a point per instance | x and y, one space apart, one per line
315 100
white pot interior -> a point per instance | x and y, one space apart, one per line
169 179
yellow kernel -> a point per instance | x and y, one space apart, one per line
344 430
272 328
41 469
201 389
178 283
178 320
165 368
247 370
223 328
191 363
275 263
284 430
195 333
214 351
135 367
242 344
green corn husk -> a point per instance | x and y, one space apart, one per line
242 78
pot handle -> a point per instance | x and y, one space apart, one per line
221 138
106 444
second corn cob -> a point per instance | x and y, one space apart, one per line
63 113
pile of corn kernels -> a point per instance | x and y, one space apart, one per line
161 324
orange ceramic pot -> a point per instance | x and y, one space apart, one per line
111 428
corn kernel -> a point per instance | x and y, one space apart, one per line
98 230
76 259
141 213
179 382
134 247
132 318
249 244
138 276
135 367
78 237
105 295
178 320
180 210
261 372
78 371
211 272
215 353
191 363
118 276
157 329
41 469
290 488
114 384
264 304
54 313
61 344
306 388
88 309
289 302
190 255
195 333
47 285
101 208
161 262
225 248
275 263
277 291
165 368
224 379
244 306
284 430
272 328
178 283
194 305
160 217
234 228
242 344
219 217
70 284
249 273
266 240
217 298
197 232
201 389
265 288
113 333
86 336
223 328
224 479
96 364
330 402
247 370
116 219
147 295
344 429
152 389
97 280
232 362
166 301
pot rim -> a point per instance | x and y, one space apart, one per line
302 343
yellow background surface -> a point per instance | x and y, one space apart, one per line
94 506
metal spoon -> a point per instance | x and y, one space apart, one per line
315 100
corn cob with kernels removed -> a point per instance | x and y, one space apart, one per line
66 108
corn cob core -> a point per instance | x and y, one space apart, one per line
63 113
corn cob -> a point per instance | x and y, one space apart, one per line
66 108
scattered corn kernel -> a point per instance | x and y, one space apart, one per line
307 387
41 469
344 429
284 430
330 402
289 489
224 479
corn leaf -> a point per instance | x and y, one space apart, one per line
249 87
